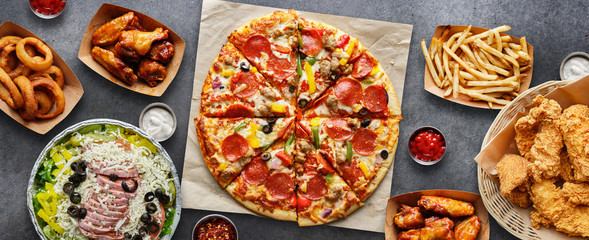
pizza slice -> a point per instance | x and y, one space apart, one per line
267 184
228 144
360 150
269 43
366 93
325 53
234 88
322 195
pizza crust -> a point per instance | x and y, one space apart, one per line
280 214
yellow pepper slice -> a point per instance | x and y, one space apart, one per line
66 154
254 69
310 77
278 108
50 222
221 167
252 139
351 47
364 169
227 73
315 121
375 70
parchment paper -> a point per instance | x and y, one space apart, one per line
504 143
388 42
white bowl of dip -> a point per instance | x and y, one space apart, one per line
574 66
158 120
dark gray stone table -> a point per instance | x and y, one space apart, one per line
554 28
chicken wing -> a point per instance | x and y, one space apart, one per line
437 229
574 125
409 217
151 71
412 234
139 42
114 65
512 171
109 33
161 51
446 206
468 229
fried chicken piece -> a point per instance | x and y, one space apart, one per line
136 42
512 171
114 65
574 125
576 193
409 217
468 229
566 168
545 153
412 234
151 71
161 51
109 33
446 206
527 126
437 229
551 204
537 219
520 198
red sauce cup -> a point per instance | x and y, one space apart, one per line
214 220
427 145
47 9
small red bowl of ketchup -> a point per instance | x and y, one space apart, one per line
47 9
427 145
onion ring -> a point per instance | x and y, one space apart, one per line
29 109
42 48
7 40
44 102
57 94
20 68
53 70
9 92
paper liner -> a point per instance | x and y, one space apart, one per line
502 142
32 189
72 89
430 86
388 42
411 199
109 11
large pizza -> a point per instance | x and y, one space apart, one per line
298 121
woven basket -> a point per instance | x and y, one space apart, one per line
499 207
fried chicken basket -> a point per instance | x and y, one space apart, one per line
498 206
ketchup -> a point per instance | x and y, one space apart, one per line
427 145
47 7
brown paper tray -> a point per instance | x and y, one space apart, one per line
499 141
72 89
106 13
430 86
411 199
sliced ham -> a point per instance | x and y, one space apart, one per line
127 173
117 185
114 208
84 224
102 211
100 217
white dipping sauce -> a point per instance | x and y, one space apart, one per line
575 68
158 122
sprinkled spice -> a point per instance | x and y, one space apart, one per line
216 228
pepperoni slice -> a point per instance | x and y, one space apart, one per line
363 66
244 78
255 45
375 98
316 187
281 68
238 110
364 141
348 91
312 42
280 186
338 129
234 147
256 172
351 172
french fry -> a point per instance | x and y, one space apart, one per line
460 39
503 28
438 63
483 97
468 68
455 81
499 42
429 63
524 44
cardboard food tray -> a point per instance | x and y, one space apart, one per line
72 89
500 140
109 11
411 199
388 42
430 86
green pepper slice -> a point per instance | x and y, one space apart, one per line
299 68
240 126
329 177
316 136
311 60
289 142
348 151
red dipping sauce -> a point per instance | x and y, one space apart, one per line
214 228
427 145
47 8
